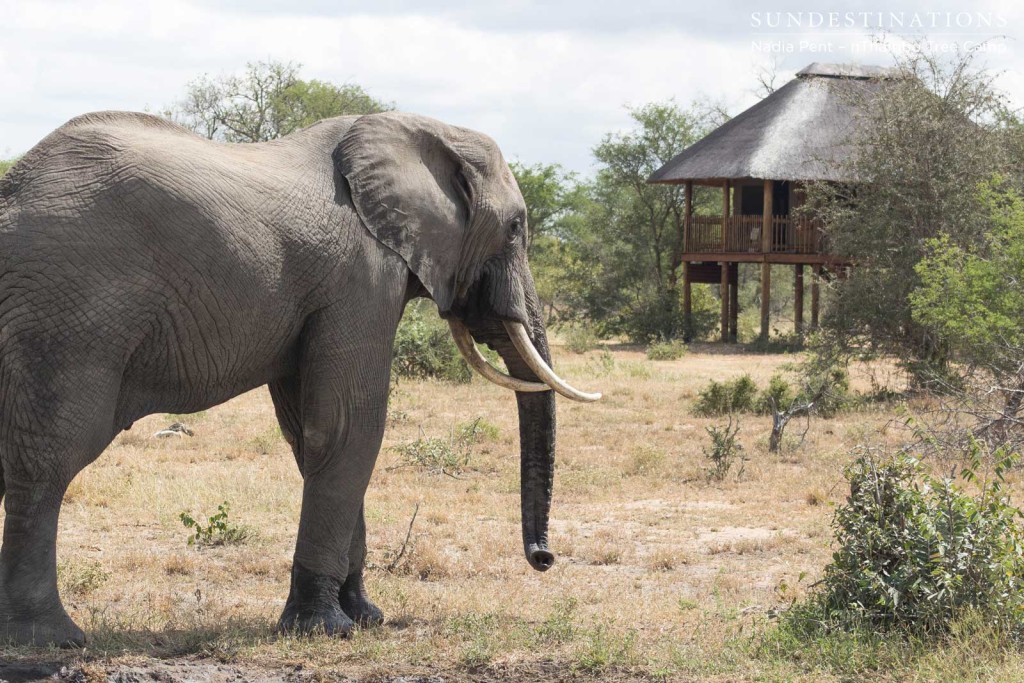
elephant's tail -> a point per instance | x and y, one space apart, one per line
2 489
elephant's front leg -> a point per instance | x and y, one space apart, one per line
352 596
336 431
354 600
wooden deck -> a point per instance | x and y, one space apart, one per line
793 237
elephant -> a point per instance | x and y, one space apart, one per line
144 269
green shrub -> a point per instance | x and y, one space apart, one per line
725 450
723 398
580 338
714 399
218 530
824 366
424 348
778 391
478 430
659 315
449 456
837 396
779 342
666 350
915 552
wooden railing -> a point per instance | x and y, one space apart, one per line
789 235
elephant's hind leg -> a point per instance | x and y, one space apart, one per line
31 612
41 453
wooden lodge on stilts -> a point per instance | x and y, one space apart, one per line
763 159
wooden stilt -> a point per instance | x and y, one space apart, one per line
815 280
724 292
766 269
734 301
766 297
688 218
687 303
726 212
798 299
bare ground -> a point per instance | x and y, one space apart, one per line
662 574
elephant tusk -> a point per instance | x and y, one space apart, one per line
544 372
464 340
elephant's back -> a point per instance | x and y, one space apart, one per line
123 181
125 217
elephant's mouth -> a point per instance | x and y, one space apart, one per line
527 351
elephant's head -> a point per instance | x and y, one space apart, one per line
444 199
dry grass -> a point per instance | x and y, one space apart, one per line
660 573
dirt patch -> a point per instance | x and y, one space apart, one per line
205 671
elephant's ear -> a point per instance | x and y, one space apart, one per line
411 190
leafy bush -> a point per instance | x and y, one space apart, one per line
725 450
723 398
580 338
478 430
779 394
449 456
217 530
666 350
779 342
659 316
917 552
837 395
424 348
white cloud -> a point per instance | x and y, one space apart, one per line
545 88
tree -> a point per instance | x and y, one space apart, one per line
551 193
5 165
972 298
623 256
553 198
265 102
928 139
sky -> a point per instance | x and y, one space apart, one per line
547 80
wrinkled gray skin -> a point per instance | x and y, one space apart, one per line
146 270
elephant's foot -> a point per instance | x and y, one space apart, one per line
356 604
57 630
31 612
313 606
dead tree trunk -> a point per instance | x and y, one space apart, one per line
781 418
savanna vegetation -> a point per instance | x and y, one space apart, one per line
877 537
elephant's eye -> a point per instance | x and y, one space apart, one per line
515 229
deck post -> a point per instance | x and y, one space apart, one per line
734 301
815 280
766 268
798 299
724 293
688 218
725 214
766 218
687 302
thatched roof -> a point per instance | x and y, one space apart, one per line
799 132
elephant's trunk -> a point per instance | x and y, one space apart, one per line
536 440
537 455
